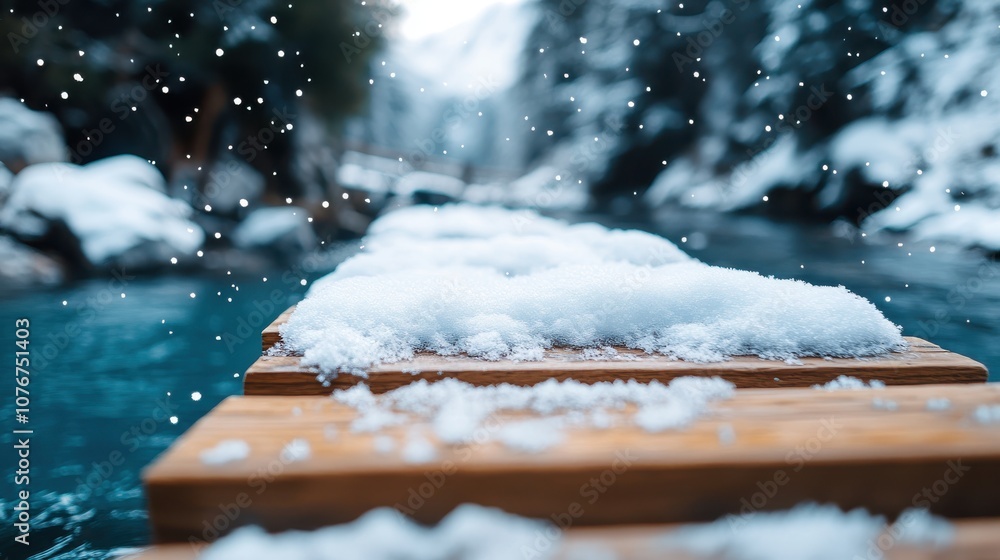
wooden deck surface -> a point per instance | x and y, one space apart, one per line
790 445
975 539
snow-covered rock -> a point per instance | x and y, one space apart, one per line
476 288
281 229
115 208
543 188
231 184
354 176
6 178
28 137
25 267
434 188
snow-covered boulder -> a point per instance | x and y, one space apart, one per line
6 177
114 211
25 267
432 188
283 230
28 137
544 187
354 176
231 184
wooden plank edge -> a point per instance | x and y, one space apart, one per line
271 334
282 375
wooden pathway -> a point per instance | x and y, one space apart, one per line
916 442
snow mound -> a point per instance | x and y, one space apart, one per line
461 413
469 532
28 137
495 284
509 242
809 531
498 284
112 206
460 221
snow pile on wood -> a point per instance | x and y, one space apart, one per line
847 382
474 532
469 532
509 242
498 284
459 412
112 206
810 531
226 451
987 414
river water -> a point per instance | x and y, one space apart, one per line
117 379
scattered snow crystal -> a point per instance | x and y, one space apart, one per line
296 450
807 531
418 449
458 411
469 532
847 382
495 284
226 451
987 414
937 404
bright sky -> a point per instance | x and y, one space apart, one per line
426 17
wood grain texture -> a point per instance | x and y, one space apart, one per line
974 539
783 453
923 363
270 335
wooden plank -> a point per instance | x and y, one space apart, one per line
270 335
923 363
878 459
974 539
